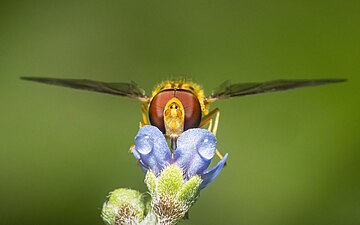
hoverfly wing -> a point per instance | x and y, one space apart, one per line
131 89
228 90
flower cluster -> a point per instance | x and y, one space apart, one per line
173 179
195 150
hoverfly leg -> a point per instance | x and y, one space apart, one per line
216 123
131 148
210 124
144 114
207 120
205 123
218 153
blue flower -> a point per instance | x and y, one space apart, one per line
195 150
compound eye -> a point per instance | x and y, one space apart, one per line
156 109
192 109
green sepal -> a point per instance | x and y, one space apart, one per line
190 191
151 183
170 181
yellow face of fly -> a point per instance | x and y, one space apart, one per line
174 116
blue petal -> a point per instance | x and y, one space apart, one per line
135 153
195 149
209 175
151 148
137 157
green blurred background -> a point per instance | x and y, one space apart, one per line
294 156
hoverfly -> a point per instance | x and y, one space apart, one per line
177 105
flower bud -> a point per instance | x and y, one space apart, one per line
124 206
